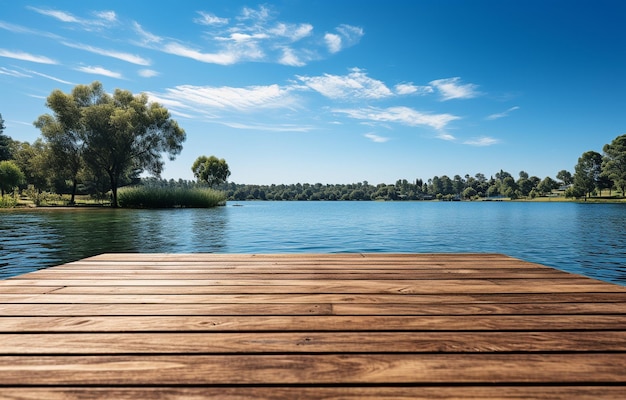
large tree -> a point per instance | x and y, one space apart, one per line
587 172
211 170
118 134
63 132
614 163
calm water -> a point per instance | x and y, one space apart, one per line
583 238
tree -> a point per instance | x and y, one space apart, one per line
546 185
5 143
587 172
63 134
565 177
614 163
120 134
10 176
211 170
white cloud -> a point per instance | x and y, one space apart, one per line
205 98
210 19
147 73
482 141
103 18
451 88
212 58
100 71
446 136
401 115
333 42
290 58
50 77
293 32
106 15
346 36
355 85
20 55
131 58
269 128
13 73
410 88
375 138
60 15
502 114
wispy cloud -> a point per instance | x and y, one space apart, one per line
101 18
207 18
375 138
253 35
355 85
502 114
147 73
344 36
410 88
402 115
52 78
269 127
100 71
13 73
131 58
20 55
206 98
451 88
482 141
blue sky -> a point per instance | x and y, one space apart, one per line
338 91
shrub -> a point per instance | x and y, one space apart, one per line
165 197
8 201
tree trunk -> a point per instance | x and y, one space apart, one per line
113 179
74 185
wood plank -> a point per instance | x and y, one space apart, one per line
304 326
313 369
348 286
312 342
321 323
152 295
580 392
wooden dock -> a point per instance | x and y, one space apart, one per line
335 326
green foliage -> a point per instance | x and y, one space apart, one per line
5 143
8 201
10 176
167 197
614 163
117 135
211 170
588 172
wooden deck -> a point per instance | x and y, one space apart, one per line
341 326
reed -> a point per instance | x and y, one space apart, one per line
166 197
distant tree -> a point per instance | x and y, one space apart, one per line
546 185
588 172
5 143
121 134
614 163
10 176
211 170
33 162
565 177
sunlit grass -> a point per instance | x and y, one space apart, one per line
165 197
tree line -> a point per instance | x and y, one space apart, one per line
93 143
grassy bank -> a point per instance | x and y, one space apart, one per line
164 197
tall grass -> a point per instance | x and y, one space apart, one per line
166 197
8 201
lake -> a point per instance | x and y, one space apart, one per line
588 239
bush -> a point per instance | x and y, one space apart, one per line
165 197
8 201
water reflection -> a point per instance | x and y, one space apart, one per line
581 238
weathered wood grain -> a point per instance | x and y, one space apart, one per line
285 326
